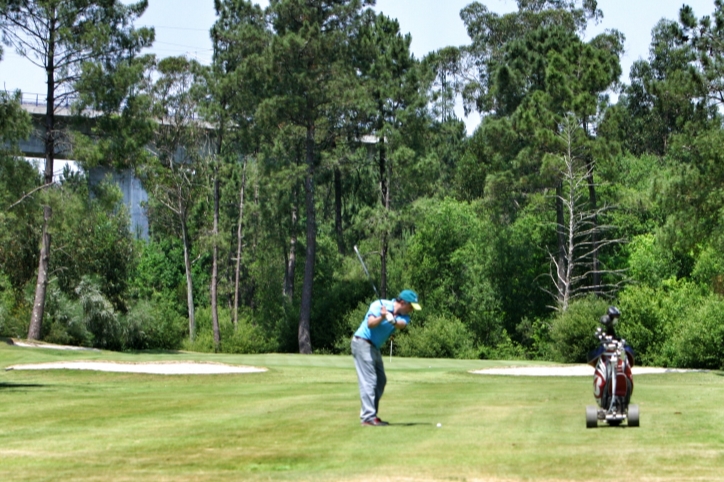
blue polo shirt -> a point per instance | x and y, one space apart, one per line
379 334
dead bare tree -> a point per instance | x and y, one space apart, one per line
581 237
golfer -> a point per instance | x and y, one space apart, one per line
381 320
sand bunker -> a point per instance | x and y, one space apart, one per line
565 371
50 346
156 368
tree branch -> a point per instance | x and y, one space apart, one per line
30 194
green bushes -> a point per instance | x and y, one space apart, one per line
683 320
6 302
64 320
439 337
449 261
698 341
478 285
678 324
153 324
14 310
246 338
99 317
572 332
89 319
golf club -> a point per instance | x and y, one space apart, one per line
364 267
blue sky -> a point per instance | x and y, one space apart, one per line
182 29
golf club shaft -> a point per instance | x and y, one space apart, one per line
364 267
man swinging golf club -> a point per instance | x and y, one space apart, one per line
382 319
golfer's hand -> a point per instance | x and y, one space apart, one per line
390 317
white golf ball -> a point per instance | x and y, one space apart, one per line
439 425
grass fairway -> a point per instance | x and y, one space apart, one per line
298 421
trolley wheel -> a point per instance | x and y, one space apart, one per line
633 415
591 416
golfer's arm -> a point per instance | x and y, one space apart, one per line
374 321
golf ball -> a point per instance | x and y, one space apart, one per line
439 425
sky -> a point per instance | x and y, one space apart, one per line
182 28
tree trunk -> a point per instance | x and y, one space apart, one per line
254 243
215 267
383 267
338 211
385 193
189 283
305 342
570 243
595 269
561 240
239 244
292 259
36 321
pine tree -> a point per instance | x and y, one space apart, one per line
63 37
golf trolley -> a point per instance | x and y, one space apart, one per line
612 379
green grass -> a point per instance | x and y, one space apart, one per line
299 421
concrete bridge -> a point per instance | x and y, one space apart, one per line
134 196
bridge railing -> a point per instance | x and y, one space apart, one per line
37 99
40 100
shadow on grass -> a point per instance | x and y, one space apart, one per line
409 424
11 386
614 427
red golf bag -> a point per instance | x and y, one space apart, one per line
612 379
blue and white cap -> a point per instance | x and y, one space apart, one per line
411 297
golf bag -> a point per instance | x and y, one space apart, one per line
612 379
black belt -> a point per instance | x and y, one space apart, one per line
363 339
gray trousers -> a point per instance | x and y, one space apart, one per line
370 375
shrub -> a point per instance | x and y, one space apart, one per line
99 316
439 337
152 325
15 310
536 338
653 318
246 338
6 302
505 349
63 321
698 341
572 332
642 321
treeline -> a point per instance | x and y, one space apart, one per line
315 129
